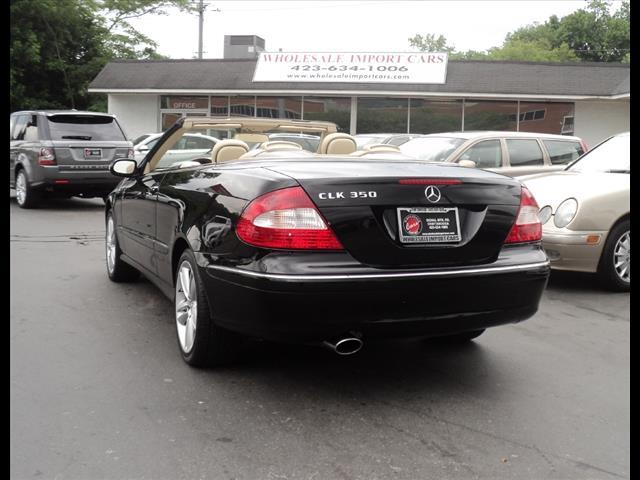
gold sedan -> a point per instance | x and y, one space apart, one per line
585 213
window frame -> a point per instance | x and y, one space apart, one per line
469 146
543 152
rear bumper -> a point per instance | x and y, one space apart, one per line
58 180
380 303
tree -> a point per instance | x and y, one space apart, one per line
588 34
58 46
429 43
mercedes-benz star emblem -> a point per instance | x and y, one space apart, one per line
432 193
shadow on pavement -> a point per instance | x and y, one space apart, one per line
575 281
67 204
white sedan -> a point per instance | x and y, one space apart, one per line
191 145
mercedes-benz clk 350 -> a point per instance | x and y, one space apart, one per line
333 247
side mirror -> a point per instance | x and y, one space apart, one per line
124 167
467 163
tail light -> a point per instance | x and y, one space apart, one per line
46 157
527 227
130 153
286 219
585 147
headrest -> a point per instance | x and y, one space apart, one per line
274 145
228 150
338 144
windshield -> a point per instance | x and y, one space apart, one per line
611 156
362 140
431 149
84 127
140 139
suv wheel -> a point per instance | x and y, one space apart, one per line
117 270
26 197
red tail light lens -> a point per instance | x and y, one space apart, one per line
527 227
46 157
130 153
286 219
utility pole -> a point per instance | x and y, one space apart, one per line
201 7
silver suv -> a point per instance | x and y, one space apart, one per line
64 153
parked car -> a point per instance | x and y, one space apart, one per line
63 153
509 153
363 139
322 248
189 146
586 213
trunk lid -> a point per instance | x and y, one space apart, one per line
363 202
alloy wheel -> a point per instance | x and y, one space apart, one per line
186 307
622 257
110 244
21 188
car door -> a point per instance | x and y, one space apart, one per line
486 154
524 156
137 224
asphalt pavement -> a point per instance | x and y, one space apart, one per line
99 391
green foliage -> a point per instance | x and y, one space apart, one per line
58 46
588 34
429 43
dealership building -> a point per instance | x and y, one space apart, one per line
590 100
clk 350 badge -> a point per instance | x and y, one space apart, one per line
337 195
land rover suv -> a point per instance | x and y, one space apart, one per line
64 153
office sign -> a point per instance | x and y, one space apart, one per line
332 67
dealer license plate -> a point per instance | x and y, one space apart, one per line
429 224
92 153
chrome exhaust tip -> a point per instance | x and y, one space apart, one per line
345 345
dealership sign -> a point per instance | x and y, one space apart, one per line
352 67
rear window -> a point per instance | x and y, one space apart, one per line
84 127
561 152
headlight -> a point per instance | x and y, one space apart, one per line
565 212
544 214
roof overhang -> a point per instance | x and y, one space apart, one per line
362 93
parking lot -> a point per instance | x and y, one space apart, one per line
98 388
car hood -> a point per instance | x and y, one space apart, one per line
554 187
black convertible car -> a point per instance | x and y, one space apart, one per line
331 247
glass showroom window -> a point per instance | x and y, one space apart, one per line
279 107
220 106
243 106
546 117
428 116
382 115
490 115
330 109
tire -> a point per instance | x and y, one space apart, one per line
26 197
118 270
463 337
202 343
616 255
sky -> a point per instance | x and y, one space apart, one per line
348 26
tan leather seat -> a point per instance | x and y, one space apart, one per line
278 145
228 150
338 144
